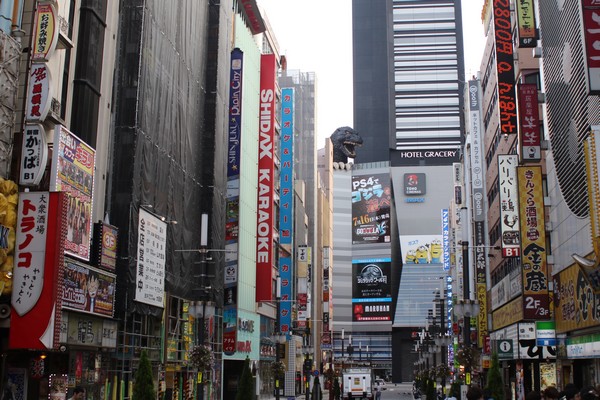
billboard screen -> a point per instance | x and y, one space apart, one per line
371 290
371 199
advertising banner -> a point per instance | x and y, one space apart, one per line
232 207
34 155
73 164
507 99
37 277
371 199
529 123
30 250
39 97
591 31
371 290
575 302
422 249
235 113
87 289
87 330
105 246
533 244
477 171
151 249
285 307
509 205
266 177
526 23
446 238
45 32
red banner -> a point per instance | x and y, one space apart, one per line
266 176
37 326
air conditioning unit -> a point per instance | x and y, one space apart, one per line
537 52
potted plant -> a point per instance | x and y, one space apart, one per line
201 357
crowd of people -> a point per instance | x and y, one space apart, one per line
570 392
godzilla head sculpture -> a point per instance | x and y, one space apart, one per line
344 140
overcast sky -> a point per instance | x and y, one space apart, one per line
316 36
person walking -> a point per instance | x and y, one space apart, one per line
78 393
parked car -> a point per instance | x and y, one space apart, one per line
381 383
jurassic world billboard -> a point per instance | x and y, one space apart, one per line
371 290
371 199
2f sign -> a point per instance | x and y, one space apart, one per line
532 303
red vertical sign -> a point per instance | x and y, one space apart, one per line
266 176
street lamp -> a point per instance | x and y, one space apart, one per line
279 339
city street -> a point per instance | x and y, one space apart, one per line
401 391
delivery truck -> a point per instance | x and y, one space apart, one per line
357 384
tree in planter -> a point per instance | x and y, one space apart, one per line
246 384
143 387
494 379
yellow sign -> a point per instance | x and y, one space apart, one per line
46 32
468 378
508 314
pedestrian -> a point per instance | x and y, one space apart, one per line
533 395
569 392
588 393
550 393
377 392
78 393
474 393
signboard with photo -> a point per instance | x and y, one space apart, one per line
73 166
88 289
371 289
371 199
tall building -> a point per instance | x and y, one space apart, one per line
408 74
408 85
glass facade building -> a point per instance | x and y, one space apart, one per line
428 69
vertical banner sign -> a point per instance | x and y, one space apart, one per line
37 276
30 250
286 211
446 238
507 101
266 176
73 165
371 199
38 93
529 122
34 155
591 31
533 247
591 148
45 32
477 172
285 309
526 23
233 202
371 290
509 205
151 256
478 205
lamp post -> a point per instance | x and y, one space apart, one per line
278 336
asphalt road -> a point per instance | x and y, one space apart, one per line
397 391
